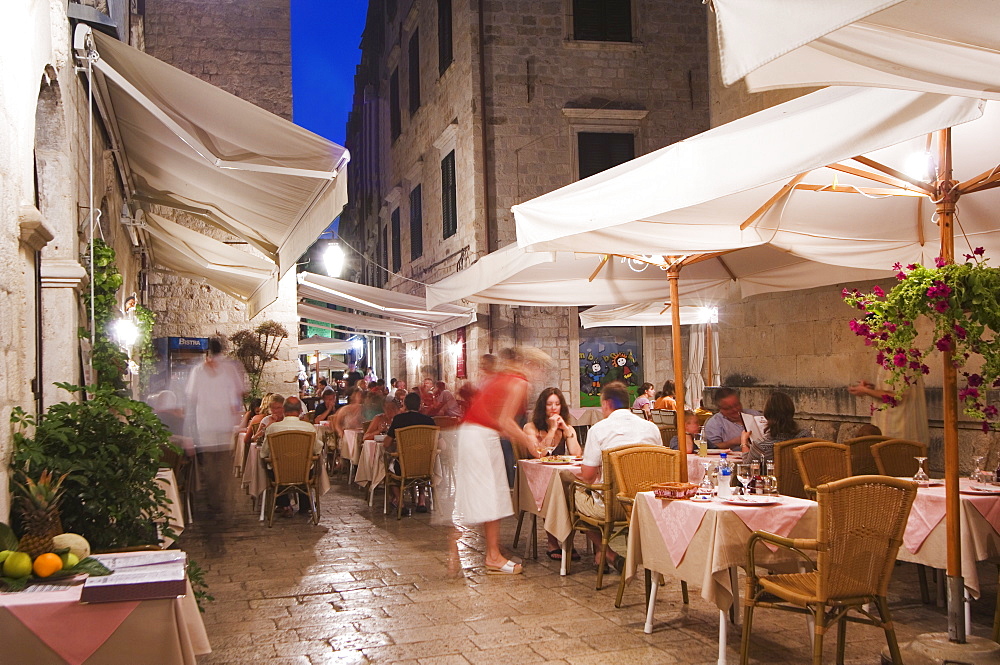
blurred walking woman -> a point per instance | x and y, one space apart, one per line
482 495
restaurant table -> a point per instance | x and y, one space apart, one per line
585 416
255 477
350 449
239 450
541 489
703 544
696 470
925 538
52 627
371 467
174 509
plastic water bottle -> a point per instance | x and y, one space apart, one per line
724 489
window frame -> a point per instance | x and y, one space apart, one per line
395 111
449 197
396 239
416 223
572 11
446 47
413 73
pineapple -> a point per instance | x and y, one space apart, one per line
39 502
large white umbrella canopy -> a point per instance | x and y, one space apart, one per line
645 314
951 48
513 276
786 176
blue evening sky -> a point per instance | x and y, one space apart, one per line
325 39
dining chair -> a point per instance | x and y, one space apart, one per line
786 468
862 460
895 457
613 522
637 469
292 464
414 452
822 462
860 526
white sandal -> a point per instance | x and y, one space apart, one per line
508 568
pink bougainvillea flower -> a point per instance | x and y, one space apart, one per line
899 360
939 262
966 393
974 380
941 306
979 251
960 332
944 344
877 290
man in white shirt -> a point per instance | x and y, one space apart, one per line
620 427
290 422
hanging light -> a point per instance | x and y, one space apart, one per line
126 332
333 259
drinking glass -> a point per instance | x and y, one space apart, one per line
977 473
743 476
705 488
921 475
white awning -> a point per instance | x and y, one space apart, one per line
948 48
186 252
191 146
388 305
324 345
645 314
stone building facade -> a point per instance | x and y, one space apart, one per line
243 47
505 90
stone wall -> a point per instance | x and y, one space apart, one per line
243 47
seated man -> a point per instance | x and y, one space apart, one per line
276 413
411 416
290 422
725 429
620 427
445 403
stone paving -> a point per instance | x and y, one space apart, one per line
364 588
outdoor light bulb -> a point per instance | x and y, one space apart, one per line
713 314
333 258
126 332
413 355
455 349
357 344
920 166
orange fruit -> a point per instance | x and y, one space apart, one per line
46 564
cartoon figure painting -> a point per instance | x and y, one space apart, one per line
624 362
608 354
591 374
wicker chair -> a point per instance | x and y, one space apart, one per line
862 461
894 457
822 462
637 469
860 528
415 446
786 468
614 521
292 462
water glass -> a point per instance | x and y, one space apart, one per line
977 475
921 476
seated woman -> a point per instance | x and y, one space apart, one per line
645 400
779 411
691 428
549 430
666 399
251 411
349 415
326 408
380 423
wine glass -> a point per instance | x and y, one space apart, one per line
977 473
705 488
921 477
743 476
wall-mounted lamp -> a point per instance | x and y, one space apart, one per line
126 332
333 259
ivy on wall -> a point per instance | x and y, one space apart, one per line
109 362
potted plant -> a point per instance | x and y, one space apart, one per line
256 347
962 302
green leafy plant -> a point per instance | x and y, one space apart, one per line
143 349
256 347
110 363
196 575
962 302
111 445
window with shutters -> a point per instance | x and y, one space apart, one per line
416 225
384 256
449 198
602 20
414 73
445 49
397 258
599 151
395 124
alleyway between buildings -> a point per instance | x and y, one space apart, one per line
364 588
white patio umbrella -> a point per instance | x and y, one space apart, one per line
950 48
786 197
644 314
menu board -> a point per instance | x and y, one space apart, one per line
145 576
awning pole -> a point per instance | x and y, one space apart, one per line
946 196
675 335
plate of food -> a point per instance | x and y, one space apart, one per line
559 459
752 500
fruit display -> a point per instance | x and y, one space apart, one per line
39 504
19 568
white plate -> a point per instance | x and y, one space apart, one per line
752 501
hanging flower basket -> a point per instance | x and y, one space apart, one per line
962 301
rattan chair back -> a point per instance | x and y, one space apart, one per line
822 462
638 468
291 456
895 457
862 460
786 467
415 446
860 528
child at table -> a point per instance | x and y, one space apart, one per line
691 428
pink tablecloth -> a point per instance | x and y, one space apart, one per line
929 509
539 476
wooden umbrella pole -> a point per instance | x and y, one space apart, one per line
675 336
945 208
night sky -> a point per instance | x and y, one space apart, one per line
325 39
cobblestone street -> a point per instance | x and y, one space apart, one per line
364 588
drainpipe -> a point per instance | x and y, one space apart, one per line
494 310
